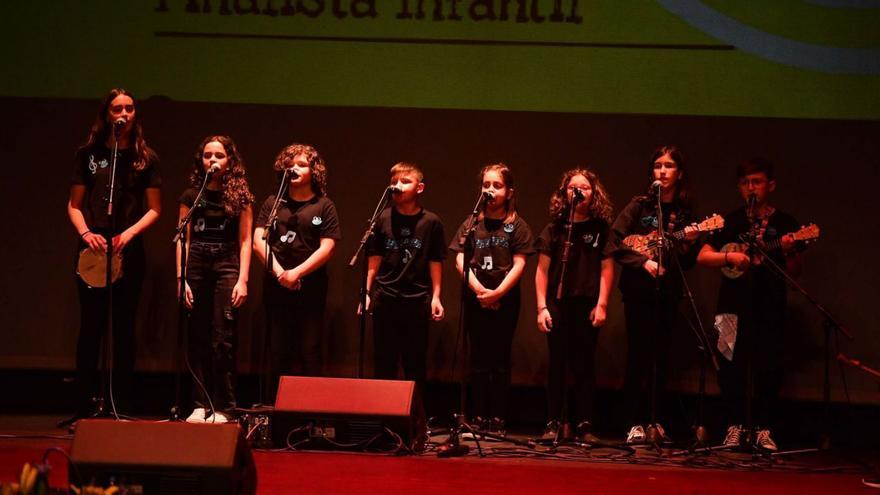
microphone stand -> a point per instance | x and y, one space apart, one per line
368 233
181 236
107 386
268 229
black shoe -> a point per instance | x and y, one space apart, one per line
583 432
496 425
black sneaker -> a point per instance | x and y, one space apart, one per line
496 425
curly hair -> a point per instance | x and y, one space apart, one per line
236 192
507 177
682 195
600 202
285 158
101 128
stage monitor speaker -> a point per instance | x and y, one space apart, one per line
347 413
163 458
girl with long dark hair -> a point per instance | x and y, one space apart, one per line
136 206
216 277
651 306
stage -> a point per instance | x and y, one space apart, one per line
505 469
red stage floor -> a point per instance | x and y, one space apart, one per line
330 473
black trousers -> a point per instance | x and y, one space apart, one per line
400 336
648 330
212 273
296 326
93 330
572 346
490 334
759 344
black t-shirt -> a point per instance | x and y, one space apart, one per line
210 223
494 245
299 228
589 239
758 281
640 218
406 243
92 170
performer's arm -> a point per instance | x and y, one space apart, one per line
74 212
259 245
436 268
183 242
154 207
245 243
606 279
545 322
710 257
291 278
473 283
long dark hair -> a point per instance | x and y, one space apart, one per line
101 128
682 195
316 163
600 202
507 177
236 192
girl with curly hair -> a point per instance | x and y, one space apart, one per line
497 252
571 306
650 306
216 278
301 241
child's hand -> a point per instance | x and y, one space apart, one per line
290 279
188 295
360 309
489 298
239 293
653 268
597 315
437 311
545 321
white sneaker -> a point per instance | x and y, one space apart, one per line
734 436
636 434
218 418
763 440
197 416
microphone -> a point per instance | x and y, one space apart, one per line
656 185
291 173
577 195
488 196
394 189
118 124
213 169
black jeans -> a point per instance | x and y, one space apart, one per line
93 329
400 333
490 334
296 326
212 272
648 330
572 345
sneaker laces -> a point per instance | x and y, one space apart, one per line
734 435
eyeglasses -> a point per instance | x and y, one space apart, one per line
752 182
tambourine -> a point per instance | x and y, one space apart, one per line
92 268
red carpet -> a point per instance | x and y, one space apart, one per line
331 473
